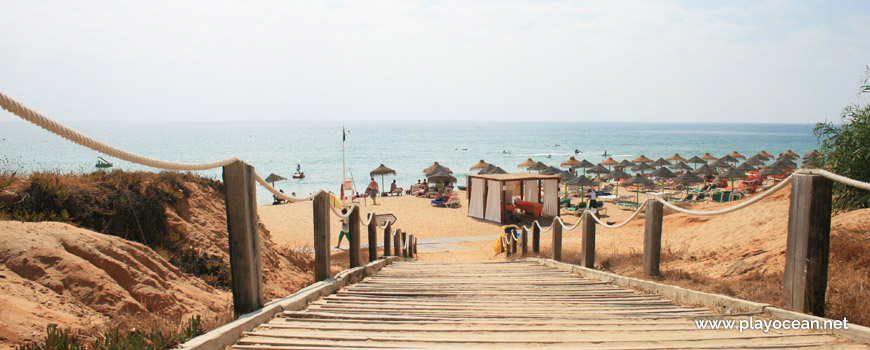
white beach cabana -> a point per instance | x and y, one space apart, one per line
488 194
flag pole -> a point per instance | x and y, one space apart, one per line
343 168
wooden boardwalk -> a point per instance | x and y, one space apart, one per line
418 305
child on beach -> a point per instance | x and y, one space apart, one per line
345 229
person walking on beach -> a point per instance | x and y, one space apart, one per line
593 196
373 191
345 229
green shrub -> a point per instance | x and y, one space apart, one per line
116 339
847 152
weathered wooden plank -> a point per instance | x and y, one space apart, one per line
388 235
373 238
652 238
587 248
354 244
807 247
321 236
244 239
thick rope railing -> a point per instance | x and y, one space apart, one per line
56 128
636 212
745 204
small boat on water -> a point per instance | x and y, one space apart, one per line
298 174
103 163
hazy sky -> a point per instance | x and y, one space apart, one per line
717 61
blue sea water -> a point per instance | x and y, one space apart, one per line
276 147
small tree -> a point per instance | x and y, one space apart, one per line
847 151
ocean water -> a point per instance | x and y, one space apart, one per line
276 147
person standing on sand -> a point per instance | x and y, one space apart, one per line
373 191
345 229
593 196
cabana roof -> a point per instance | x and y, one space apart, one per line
516 177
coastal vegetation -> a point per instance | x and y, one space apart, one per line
847 151
130 205
116 338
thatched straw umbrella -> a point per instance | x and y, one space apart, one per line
737 155
638 181
745 167
688 178
785 164
663 173
732 174
608 162
707 157
728 159
765 154
550 171
439 175
680 166
771 172
816 152
480 165
809 160
676 157
756 160
719 163
526 164
584 164
580 181
598 169
695 160
273 178
539 166
570 163
382 170
790 153
618 174
437 167
492 170
661 162
625 163
642 159
642 167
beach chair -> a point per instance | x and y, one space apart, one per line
627 205
453 202
690 197
575 210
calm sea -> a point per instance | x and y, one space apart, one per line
276 147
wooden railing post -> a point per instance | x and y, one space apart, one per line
373 238
587 248
244 238
808 244
388 235
525 238
513 243
353 219
536 239
415 246
410 246
321 236
397 242
557 241
652 238
404 244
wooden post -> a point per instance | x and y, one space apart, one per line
808 244
525 238
388 234
321 237
373 238
404 244
410 246
536 239
587 249
513 243
507 245
244 239
415 246
557 241
652 238
353 220
397 242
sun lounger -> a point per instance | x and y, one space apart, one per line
575 210
627 205
450 202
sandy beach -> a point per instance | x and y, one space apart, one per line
726 237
